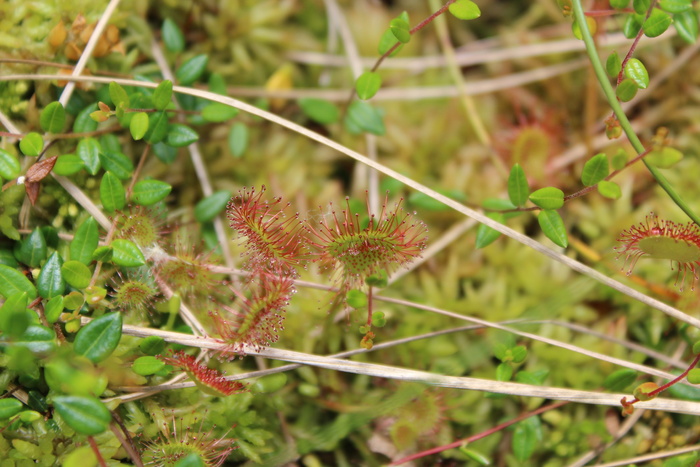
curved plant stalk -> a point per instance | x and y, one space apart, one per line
619 113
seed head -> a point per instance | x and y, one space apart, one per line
393 239
662 239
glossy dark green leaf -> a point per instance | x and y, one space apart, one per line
118 94
211 206
125 253
367 85
31 144
620 380
76 274
238 139
518 189
637 72
613 65
632 25
103 254
173 38
14 319
687 26
552 225
53 118
148 365
68 164
217 112
191 70
138 127
9 165
86 415
157 127
112 193
163 94
548 198
626 90
13 281
9 407
609 189
181 135
319 110
485 235
89 152
400 29
595 170
85 241
39 340
675 6
526 437
152 345
83 123
32 250
147 192
657 23
117 163
53 309
97 340
363 117
465 10
50 281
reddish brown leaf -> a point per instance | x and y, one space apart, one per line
40 170
32 189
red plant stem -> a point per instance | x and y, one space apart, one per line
481 435
621 75
661 389
96 450
369 306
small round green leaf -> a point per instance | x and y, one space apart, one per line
163 94
609 189
97 340
465 9
53 309
270 383
117 163
138 125
210 207
595 170
89 152
518 189
148 365
50 281
31 145
632 25
485 235
180 136
657 23
552 225
148 192
626 90
103 254
526 437
9 165
12 281
675 6
367 85
172 36
118 94
238 139
664 158
620 380
86 415
52 118
387 41
694 376
356 299
152 345
191 70
687 26
85 241
637 72
125 253
319 110
504 372
112 193
32 251
361 116
217 112
76 274
9 407
157 127
613 65
400 29
548 198
68 164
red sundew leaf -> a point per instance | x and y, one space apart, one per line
208 380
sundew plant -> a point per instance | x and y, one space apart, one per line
308 232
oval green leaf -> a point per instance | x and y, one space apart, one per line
595 170
526 437
52 118
238 139
361 116
157 127
400 29
50 281
217 112
613 65
117 163
641 6
518 189
191 70
32 251
9 165
12 282
675 6
147 192
687 26
138 125
664 158
319 110
14 316
637 72
83 123
152 345
39 340
657 23
548 198
367 85
163 94
210 207
465 10
626 90
148 365
76 274
68 164
173 38
53 309
118 94
125 253
632 25
180 136
97 340
485 235
31 144
112 193
387 41
552 225
89 152
85 241
620 380
609 189
9 408
86 415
